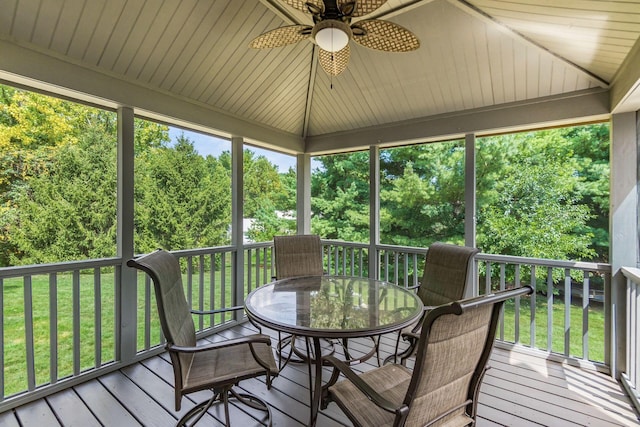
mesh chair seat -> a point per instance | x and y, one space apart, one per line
391 381
228 365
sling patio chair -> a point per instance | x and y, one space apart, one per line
214 366
297 255
446 278
442 389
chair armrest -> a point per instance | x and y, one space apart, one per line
415 332
264 339
365 388
219 310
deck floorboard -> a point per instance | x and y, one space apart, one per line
522 388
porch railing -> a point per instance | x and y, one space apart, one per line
60 325
631 378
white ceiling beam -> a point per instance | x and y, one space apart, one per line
625 89
61 76
289 15
390 13
562 110
311 87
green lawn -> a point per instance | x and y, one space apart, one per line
595 319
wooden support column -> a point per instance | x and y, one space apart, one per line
374 209
126 289
303 193
624 251
470 205
237 215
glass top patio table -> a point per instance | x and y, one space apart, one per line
332 307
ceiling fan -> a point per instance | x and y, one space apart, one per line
333 29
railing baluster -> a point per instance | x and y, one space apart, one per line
415 269
567 312
502 287
265 277
353 262
147 312
532 308
190 281
257 267
28 332
97 316
395 267
344 261
53 329
406 270
212 287
201 290
487 279
386 266
223 285
516 284
549 308
585 315
249 264
76 322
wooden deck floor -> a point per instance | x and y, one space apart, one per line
519 390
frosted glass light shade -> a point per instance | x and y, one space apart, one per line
332 39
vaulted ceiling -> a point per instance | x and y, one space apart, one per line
190 60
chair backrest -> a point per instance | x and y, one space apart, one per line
173 310
297 255
446 273
452 354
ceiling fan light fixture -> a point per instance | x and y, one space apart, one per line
331 35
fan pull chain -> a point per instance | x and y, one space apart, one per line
333 62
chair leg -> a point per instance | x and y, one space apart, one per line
254 402
198 411
394 356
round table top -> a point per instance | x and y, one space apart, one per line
333 306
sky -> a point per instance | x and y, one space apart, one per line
206 144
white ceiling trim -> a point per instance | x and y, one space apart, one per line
583 106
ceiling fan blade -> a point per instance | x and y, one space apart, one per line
362 7
334 63
384 35
281 37
302 5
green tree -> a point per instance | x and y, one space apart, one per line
529 203
340 197
182 199
58 178
422 195
68 210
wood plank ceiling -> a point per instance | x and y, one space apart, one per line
474 54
